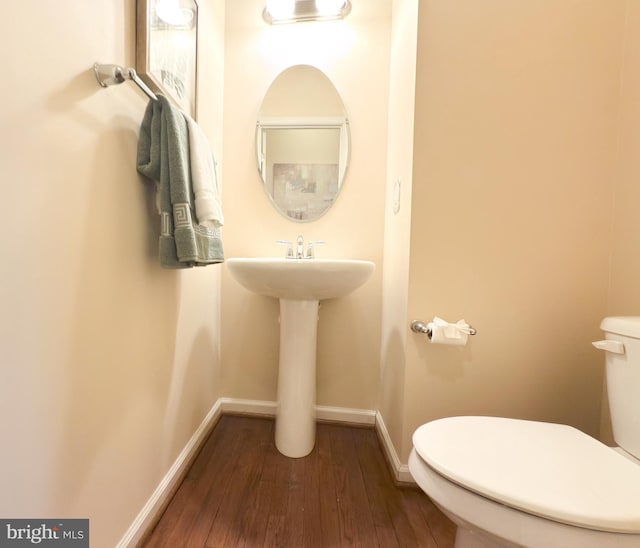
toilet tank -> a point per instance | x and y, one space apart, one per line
623 380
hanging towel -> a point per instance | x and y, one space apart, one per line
204 177
163 156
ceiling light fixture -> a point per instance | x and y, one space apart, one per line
294 11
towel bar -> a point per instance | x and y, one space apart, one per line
109 75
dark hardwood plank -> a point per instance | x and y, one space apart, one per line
293 533
183 514
327 497
215 481
246 528
260 522
356 523
226 529
410 507
276 512
442 528
241 492
383 497
312 503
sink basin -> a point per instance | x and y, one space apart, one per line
299 284
300 279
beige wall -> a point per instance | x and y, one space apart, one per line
624 294
514 168
108 362
624 289
404 31
354 54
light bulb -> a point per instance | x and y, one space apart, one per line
281 9
329 7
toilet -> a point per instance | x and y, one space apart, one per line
512 482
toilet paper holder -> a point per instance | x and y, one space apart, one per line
420 327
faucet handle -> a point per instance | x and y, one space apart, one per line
310 248
289 245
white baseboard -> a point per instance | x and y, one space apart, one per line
257 408
165 489
323 412
345 414
334 414
250 407
400 471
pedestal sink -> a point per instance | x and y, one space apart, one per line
299 284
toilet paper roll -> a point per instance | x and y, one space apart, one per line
442 332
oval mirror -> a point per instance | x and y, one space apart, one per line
302 139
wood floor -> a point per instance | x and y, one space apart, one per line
241 492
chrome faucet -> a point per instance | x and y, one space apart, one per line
299 253
300 247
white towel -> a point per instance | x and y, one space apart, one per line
203 177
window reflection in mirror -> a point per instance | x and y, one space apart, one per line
302 143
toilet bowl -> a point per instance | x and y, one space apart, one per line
511 482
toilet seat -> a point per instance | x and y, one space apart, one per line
549 470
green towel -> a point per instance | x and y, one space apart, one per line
163 156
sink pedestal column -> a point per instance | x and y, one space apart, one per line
296 411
